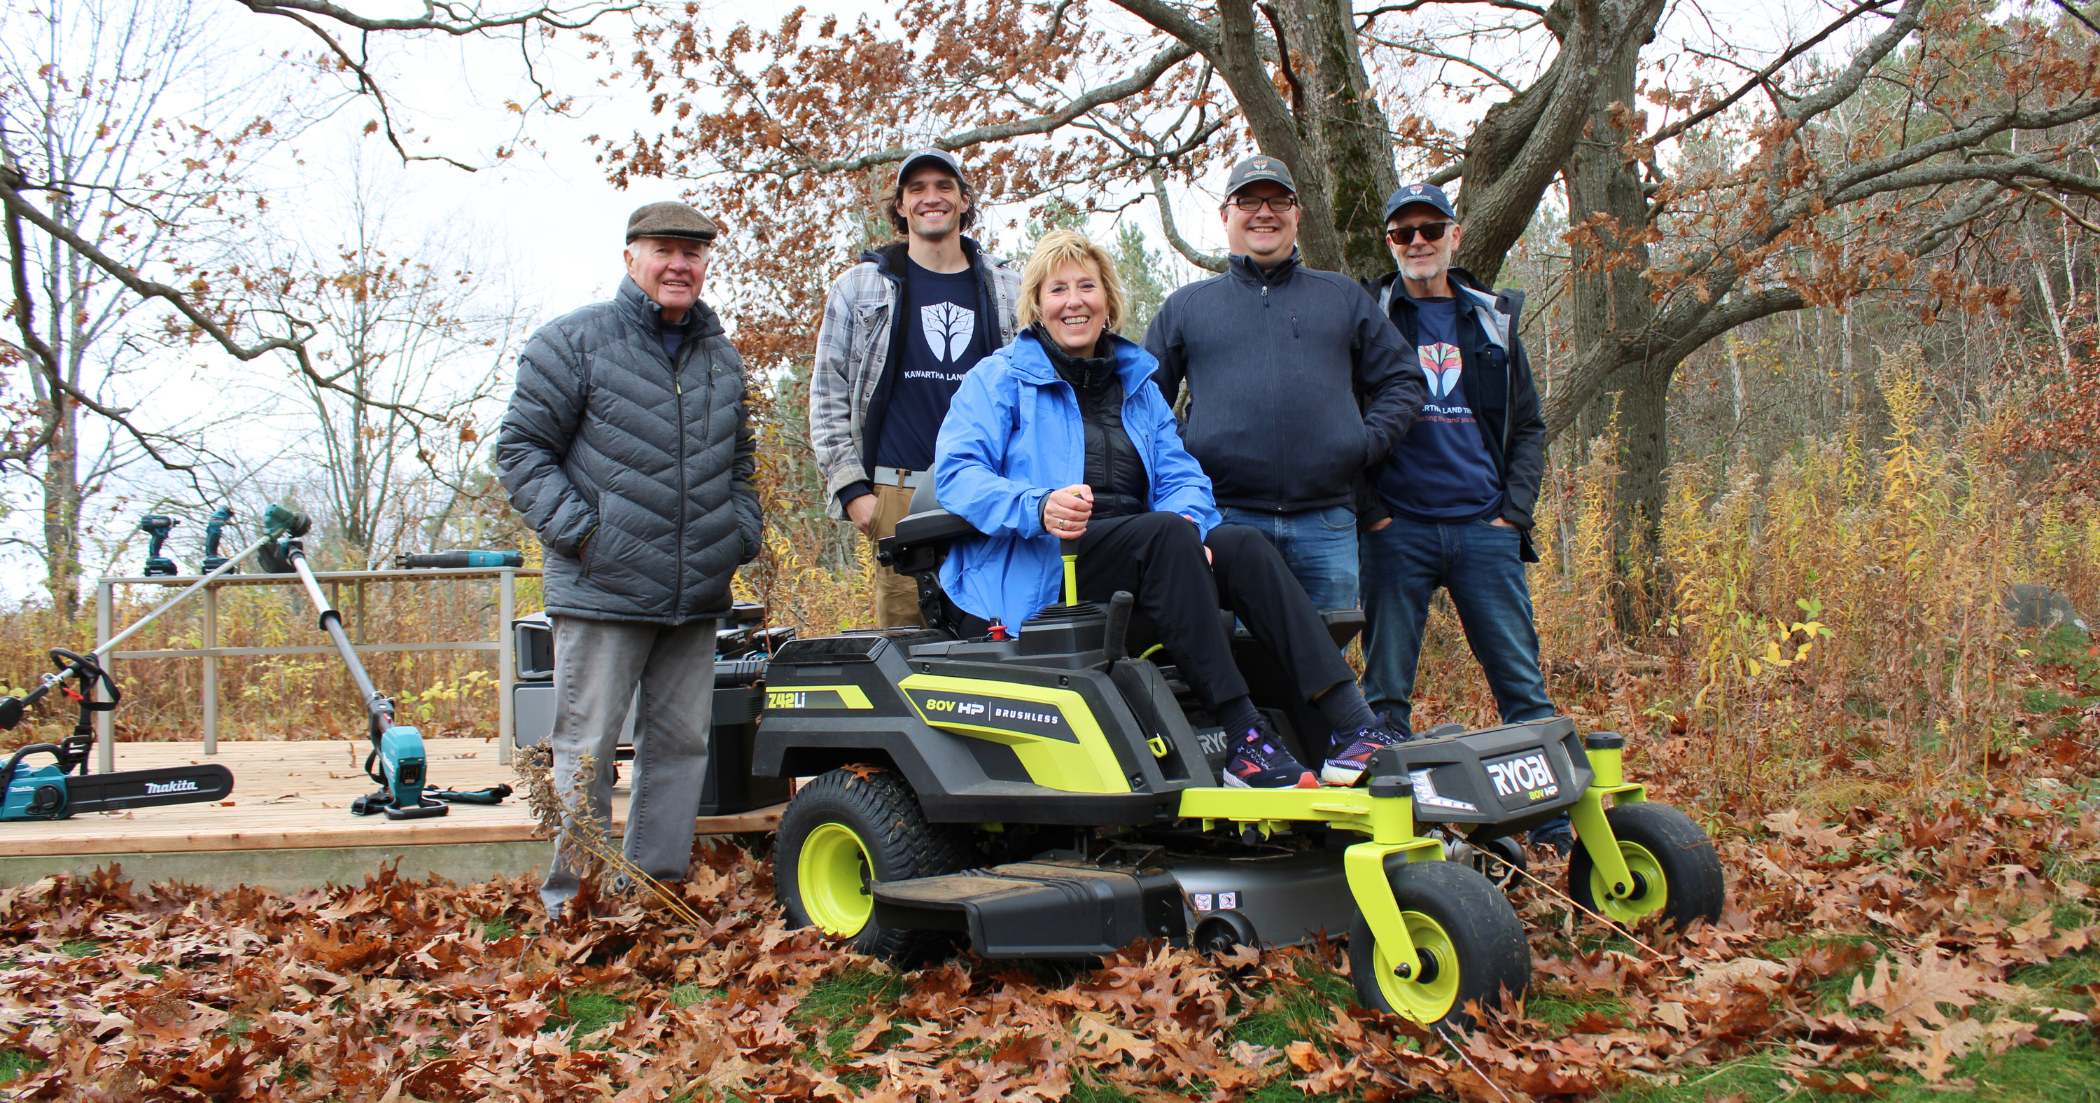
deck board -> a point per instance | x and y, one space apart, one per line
294 795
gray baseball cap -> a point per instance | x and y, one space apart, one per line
1256 169
944 158
670 219
1428 195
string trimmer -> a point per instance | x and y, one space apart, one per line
65 787
397 760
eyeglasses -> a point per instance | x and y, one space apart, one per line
1430 231
1253 203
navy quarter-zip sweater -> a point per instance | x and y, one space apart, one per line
1274 360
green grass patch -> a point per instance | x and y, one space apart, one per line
498 928
686 995
587 1012
2053 981
1295 1011
2066 1072
1832 993
846 1003
847 995
1562 1011
1086 1090
80 947
1759 1078
15 1064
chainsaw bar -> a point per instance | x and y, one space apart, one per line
116 792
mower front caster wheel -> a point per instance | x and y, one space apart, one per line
1468 944
1676 874
843 832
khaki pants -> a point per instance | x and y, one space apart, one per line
896 595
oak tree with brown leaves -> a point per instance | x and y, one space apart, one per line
1709 184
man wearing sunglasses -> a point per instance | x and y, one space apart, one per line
1274 355
1454 502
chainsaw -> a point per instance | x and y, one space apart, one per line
64 787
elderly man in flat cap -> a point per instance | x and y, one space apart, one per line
627 447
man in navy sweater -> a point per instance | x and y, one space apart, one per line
1458 492
1275 355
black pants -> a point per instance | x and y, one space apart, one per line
1157 557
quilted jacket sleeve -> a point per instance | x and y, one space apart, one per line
538 429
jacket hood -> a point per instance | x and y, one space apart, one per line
1032 362
700 321
889 259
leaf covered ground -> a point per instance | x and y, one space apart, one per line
1893 948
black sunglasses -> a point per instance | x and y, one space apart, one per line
1430 231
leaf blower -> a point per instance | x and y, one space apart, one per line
397 760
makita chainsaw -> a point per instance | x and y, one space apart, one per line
64 787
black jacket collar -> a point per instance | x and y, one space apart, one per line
1244 268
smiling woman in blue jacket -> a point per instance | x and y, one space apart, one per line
1061 437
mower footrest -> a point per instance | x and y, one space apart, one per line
1044 909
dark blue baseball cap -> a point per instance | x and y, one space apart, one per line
1429 195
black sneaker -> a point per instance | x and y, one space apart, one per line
1261 762
1346 766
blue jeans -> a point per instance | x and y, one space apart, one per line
1318 545
1481 565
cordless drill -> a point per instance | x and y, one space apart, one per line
213 530
156 527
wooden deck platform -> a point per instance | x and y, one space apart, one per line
295 796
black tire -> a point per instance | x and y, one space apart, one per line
1500 860
875 809
1459 923
1677 874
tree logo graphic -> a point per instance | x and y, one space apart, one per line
1440 365
948 329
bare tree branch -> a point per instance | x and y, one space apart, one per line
1212 262
1761 76
18 204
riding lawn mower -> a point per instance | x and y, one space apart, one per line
1053 795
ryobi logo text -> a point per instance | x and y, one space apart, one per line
1526 775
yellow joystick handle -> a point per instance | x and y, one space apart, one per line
1071 579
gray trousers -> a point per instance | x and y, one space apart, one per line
597 664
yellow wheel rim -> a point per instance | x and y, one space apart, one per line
833 874
1422 1000
1654 891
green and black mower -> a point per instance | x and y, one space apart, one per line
1053 796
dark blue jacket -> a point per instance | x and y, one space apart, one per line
635 469
1275 362
1496 374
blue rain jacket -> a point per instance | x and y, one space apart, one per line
1013 434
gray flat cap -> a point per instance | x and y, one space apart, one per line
670 219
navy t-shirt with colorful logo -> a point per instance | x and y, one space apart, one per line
943 339
1442 470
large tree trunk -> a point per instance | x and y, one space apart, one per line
1611 299
1347 164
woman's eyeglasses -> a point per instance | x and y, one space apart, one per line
1430 231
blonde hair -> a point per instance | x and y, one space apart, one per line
1061 247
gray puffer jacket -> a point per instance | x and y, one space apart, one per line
634 470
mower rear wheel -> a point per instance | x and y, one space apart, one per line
843 832
1468 944
1677 875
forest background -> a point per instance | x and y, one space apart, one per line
1811 302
